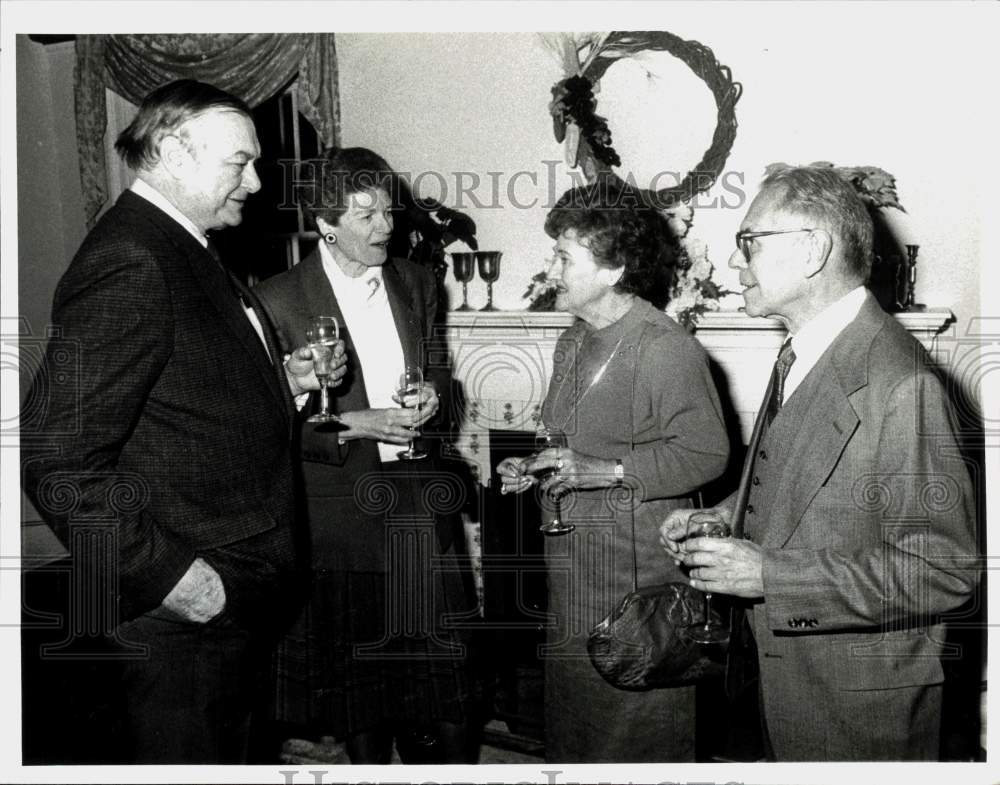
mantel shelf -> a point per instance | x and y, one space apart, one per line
930 321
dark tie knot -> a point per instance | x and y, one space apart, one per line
785 359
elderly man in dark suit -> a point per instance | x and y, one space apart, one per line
853 523
183 408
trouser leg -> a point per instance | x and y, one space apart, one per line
189 699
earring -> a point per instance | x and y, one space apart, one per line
330 238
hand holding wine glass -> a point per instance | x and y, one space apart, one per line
707 523
322 335
410 394
548 438
513 476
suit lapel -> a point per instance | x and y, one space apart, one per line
408 324
815 452
829 423
232 315
319 297
274 354
322 300
214 282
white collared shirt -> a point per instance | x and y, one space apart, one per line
365 306
818 333
141 188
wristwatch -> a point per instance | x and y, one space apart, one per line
619 473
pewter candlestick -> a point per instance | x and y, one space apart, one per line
911 279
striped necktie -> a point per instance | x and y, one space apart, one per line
781 368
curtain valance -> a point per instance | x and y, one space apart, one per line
253 66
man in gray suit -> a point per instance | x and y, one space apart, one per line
853 524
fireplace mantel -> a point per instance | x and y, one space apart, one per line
926 323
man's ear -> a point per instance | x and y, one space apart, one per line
174 155
820 244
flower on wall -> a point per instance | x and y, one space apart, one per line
694 292
541 293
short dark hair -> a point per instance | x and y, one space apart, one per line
165 110
617 225
325 185
829 200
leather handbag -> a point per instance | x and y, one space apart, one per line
642 643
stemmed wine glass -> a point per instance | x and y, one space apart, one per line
707 524
411 382
463 266
322 334
544 439
489 271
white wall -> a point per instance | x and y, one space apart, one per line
893 85
451 103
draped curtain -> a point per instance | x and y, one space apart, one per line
252 66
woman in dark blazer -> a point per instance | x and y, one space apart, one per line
376 654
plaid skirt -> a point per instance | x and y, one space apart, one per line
374 648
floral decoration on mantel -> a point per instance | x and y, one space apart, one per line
541 293
694 292
588 142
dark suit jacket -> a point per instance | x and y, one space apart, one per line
867 527
348 532
174 425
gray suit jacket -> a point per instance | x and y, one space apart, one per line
868 536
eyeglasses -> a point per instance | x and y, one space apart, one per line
743 239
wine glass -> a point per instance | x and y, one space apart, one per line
463 266
411 382
544 439
489 271
707 524
322 334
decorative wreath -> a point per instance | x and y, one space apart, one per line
573 103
